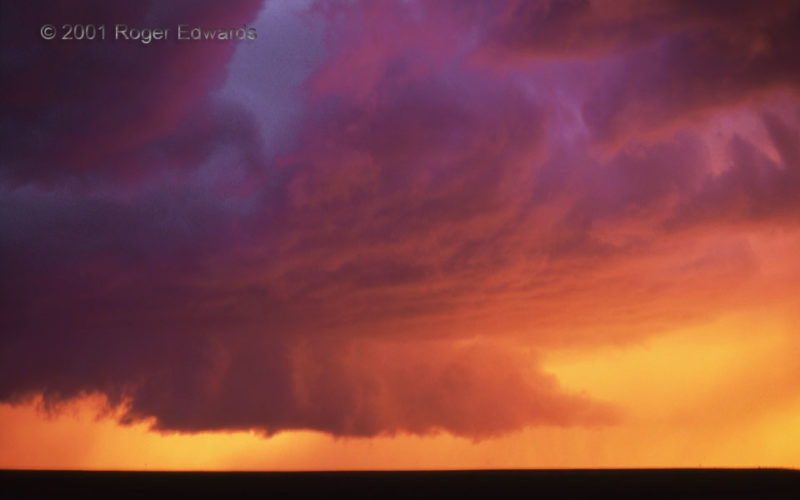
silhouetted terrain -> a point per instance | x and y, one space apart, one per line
643 483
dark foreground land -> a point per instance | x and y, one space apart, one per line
642 483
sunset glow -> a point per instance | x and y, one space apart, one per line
402 235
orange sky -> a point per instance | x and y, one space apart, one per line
402 235
717 393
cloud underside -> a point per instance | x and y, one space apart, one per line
385 235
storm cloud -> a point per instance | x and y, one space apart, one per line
375 217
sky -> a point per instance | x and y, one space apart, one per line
401 235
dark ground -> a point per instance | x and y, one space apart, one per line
643 483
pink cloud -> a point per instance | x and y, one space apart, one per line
178 247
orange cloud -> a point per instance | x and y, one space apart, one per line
397 240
